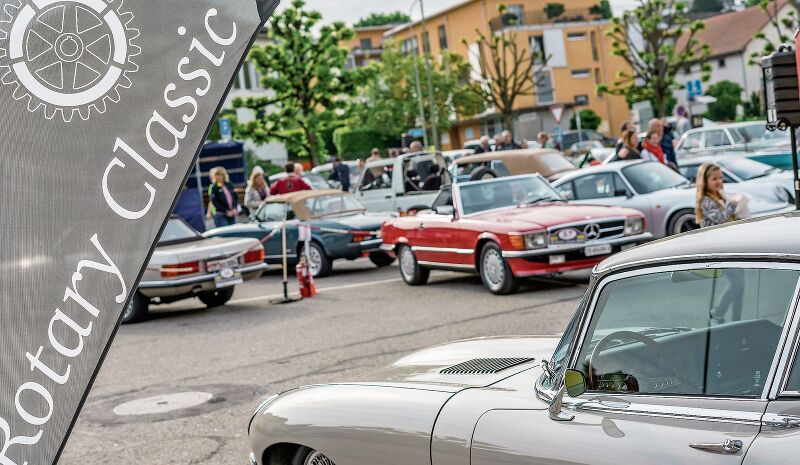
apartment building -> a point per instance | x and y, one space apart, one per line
367 45
574 40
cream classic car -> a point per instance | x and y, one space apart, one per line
681 351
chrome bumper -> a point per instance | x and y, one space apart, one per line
368 246
198 279
573 247
387 247
253 459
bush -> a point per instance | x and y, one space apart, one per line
268 167
729 96
589 120
354 143
554 10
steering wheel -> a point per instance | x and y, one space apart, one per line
646 340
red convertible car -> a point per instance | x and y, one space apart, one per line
506 229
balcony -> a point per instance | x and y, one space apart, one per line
540 17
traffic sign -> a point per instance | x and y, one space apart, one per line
694 88
225 129
558 133
558 112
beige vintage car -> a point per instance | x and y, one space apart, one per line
186 265
551 164
682 351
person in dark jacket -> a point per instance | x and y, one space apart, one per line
223 198
341 173
485 147
668 146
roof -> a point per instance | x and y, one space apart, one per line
405 26
772 237
731 32
384 27
297 200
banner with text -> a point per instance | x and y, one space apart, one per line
105 105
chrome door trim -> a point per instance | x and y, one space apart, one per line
418 248
672 411
738 257
782 367
447 266
608 279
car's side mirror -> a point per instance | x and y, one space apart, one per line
574 384
446 210
621 193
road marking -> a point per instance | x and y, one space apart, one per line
328 289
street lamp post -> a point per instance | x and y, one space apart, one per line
434 113
419 86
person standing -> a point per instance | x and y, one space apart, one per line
485 146
508 142
544 141
224 198
712 208
683 124
668 145
375 155
624 128
257 190
341 173
651 148
629 150
416 147
210 210
290 183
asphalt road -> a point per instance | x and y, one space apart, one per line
364 318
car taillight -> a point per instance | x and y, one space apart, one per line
254 255
171 271
360 237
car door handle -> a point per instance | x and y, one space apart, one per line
730 446
782 421
388 197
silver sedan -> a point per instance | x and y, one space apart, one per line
750 176
666 198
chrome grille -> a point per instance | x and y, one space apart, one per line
317 458
608 229
484 366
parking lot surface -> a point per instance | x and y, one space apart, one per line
362 319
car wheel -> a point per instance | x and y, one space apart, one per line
216 298
306 456
318 262
681 222
137 309
381 259
411 271
481 173
495 272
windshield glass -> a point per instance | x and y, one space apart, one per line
699 331
178 230
745 168
332 204
758 132
652 177
481 196
273 212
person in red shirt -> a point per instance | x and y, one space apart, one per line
291 183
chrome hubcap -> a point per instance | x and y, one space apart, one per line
314 260
318 459
407 263
494 270
128 310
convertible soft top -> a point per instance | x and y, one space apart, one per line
298 200
546 162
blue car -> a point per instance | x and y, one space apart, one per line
340 227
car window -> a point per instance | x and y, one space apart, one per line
177 230
332 204
478 196
651 177
717 138
689 172
594 186
692 141
567 190
445 198
758 132
794 377
737 137
702 331
500 168
376 178
274 212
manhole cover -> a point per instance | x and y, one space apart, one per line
163 403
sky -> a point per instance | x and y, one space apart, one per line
351 10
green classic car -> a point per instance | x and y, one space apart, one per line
340 227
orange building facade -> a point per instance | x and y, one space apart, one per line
579 58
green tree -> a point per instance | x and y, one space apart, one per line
389 101
656 39
304 69
554 10
602 9
589 120
784 27
507 69
754 107
382 19
707 6
729 96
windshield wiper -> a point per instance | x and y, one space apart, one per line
527 203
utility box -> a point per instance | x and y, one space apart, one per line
781 88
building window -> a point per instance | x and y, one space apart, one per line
581 73
514 16
442 37
366 44
248 82
576 36
595 53
469 134
537 47
581 100
411 46
688 69
544 87
426 42
597 75
721 63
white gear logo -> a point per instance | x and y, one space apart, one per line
67 56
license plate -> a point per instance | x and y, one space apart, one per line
594 250
222 264
227 278
557 259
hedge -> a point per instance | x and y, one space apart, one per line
352 143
